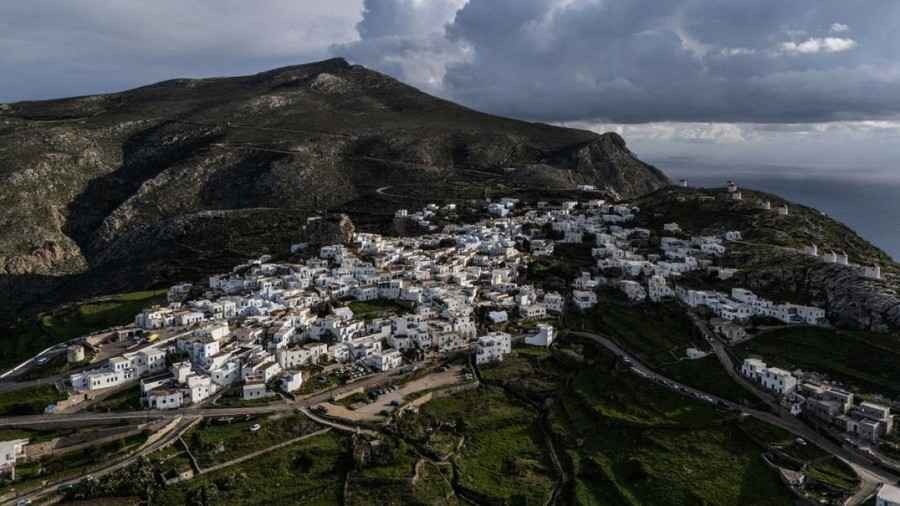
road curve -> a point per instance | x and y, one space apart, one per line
792 425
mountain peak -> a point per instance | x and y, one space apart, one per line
128 168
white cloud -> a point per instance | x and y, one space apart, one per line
705 133
737 51
839 28
819 45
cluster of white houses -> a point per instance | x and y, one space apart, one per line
263 324
743 304
831 405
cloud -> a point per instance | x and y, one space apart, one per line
599 61
839 28
406 38
635 61
819 45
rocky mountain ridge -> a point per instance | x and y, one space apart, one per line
91 183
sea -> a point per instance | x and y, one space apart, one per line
868 205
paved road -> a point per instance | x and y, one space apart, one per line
868 472
869 481
22 368
38 420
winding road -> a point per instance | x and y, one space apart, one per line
870 475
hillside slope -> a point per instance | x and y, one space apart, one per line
92 184
770 260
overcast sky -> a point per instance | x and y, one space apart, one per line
802 82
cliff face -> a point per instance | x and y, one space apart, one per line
90 184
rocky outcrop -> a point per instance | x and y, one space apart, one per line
326 230
852 300
770 260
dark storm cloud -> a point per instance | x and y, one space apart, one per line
645 60
555 60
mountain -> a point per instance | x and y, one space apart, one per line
129 189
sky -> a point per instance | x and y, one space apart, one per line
809 83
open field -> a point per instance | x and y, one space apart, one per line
659 335
631 442
215 442
864 360
310 472
502 456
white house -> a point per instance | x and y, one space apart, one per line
255 390
533 312
385 361
291 381
657 289
498 316
492 347
633 290
545 336
671 227
584 300
164 398
888 495
554 302
10 451
771 378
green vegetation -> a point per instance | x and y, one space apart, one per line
502 457
56 366
31 336
707 374
658 335
310 472
529 370
618 394
864 360
33 436
557 271
372 309
31 475
634 443
29 401
171 461
98 314
128 399
215 442
833 473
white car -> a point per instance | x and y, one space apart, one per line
255 427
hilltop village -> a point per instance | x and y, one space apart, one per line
264 325
346 314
